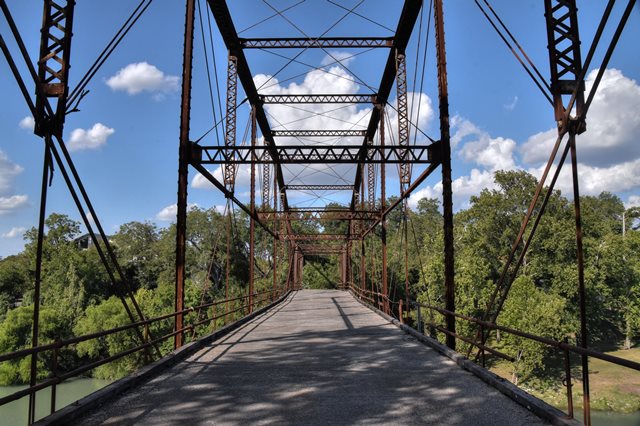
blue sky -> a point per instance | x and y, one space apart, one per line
124 140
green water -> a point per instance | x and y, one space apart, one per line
611 418
15 413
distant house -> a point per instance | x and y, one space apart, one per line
84 242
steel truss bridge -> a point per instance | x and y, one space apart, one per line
367 150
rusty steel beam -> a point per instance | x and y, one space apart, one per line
403 119
371 182
252 207
447 197
229 169
183 172
310 43
53 73
222 16
53 64
313 154
275 240
266 185
317 237
207 175
564 53
317 133
319 187
408 18
383 219
316 99
322 250
319 215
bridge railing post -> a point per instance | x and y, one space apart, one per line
567 381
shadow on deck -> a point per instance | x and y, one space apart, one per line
319 357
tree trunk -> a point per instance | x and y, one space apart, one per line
627 334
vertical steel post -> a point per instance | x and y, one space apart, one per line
300 271
349 269
53 74
363 258
581 290
371 182
565 60
229 170
383 221
183 171
54 387
343 268
53 65
295 268
276 222
447 197
38 280
568 384
252 207
406 256
403 120
228 262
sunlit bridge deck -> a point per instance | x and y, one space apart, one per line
319 357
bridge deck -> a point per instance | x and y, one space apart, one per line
317 358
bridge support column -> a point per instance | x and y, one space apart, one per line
275 238
363 259
447 197
295 269
383 222
252 207
183 171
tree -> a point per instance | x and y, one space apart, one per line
15 334
136 246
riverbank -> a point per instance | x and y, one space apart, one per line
614 390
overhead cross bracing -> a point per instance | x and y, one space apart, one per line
306 146
290 159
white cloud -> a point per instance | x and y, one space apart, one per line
168 214
633 201
493 153
142 76
14 232
461 129
480 148
27 123
608 151
8 173
93 138
328 116
338 57
243 177
594 180
613 125
511 105
12 203
463 188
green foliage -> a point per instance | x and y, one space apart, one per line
531 309
107 315
78 297
320 273
16 333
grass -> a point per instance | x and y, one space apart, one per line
612 387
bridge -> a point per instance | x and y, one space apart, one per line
263 349
318 357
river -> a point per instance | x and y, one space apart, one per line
15 413
611 418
